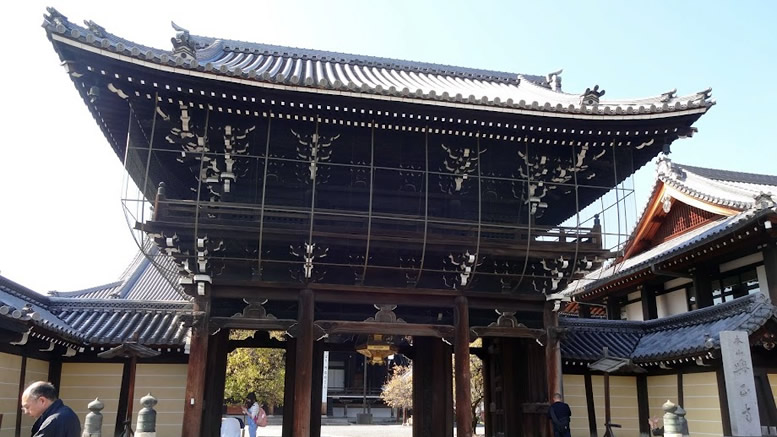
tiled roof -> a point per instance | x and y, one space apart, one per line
731 189
687 335
666 250
115 325
277 66
151 276
22 304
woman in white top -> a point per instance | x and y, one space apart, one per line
251 411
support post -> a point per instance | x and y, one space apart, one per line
288 387
589 401
303 378
196 374
770 266
552 351
126 395
649 307
702 285
462 375
22 377
432 400
218 349
606 399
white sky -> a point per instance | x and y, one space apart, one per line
61 221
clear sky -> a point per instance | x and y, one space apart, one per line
61 220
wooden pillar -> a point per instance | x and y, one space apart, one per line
196 373
126 394
702 285
317 389
552 351
590 406
606 399
770 265
649 307
463 376
22 377
432 398
55 372
643 406
218 349
583 311
303 370
488 394
288 387
613 308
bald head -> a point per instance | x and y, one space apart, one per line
557 397
38 397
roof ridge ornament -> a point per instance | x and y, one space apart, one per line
669 95
55 17
183 45
591 96
763 200
554 79
96 29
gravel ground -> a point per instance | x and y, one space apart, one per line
352 431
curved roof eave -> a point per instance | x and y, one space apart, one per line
323 72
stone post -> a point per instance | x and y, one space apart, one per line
146 426
93 422
672 425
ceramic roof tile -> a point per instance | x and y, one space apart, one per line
369 74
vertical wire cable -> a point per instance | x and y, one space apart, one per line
426 205
369 207
529 220
264 193
480 215
199 179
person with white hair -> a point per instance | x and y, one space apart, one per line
53 418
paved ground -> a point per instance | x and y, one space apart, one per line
352 431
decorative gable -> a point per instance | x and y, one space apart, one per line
680 219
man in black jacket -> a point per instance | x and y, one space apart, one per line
560 414
54 419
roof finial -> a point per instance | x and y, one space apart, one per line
554 80
591 96
95 28
182 43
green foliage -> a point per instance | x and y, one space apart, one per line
261 371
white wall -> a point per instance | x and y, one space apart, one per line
672 303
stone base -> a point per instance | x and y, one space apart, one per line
364 419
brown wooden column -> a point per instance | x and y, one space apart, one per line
22 377
288 387
552 352
316 389
463 377
432 397
196 373
126 394
590 406
218 349
643 406
770 265
303 371
488 394
648 297
702 284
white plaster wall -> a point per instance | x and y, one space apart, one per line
633 311
741 262
672 303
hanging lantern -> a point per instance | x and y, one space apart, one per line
377 348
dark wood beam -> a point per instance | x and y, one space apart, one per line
499 331
415 329
353 294
462 373
303 377
770 265
252 324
